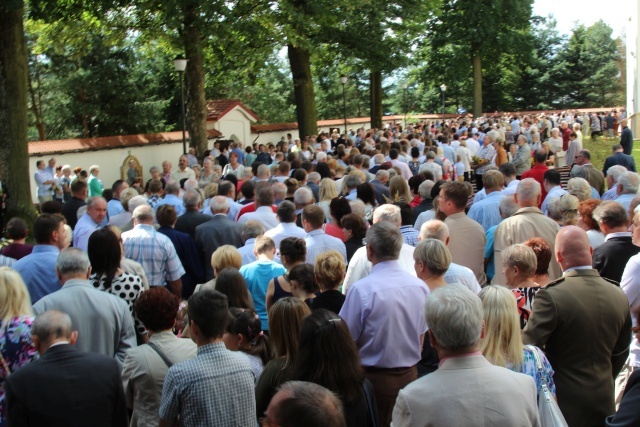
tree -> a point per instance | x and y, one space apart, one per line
14 157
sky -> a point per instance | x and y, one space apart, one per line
567 12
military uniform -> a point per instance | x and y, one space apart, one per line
583 324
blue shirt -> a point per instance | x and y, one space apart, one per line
258 274
318 242
487 211
449 153
488 253
114 207
42 176
173 200
625 200
84 228
385 315
38 271
556 191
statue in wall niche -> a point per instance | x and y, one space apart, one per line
131 171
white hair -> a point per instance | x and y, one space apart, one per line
387 213
435 229
629 181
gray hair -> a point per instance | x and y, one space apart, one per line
425 189
615 171
126 195
315 404
191 199
143 213
521 256
252 229
611 213
454 316
358 207
508 206
580 188
385 240
435 229
153 169
172 187
382 173
493 135
629 181
191 184
51 325
313 177
303 196
72 261
435 256
351 181
219 204
136 201
387 213
528 190
92 201
579 172
553 208
263 171
66 168
321 155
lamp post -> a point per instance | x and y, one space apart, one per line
443 88
180 64
404 101
343 81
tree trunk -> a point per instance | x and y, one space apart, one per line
375 91
36 111
477 84
300 63
196 101
14 156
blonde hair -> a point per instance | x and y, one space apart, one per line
211 190
226 256
568 205
14 297
399 190
502 342
521 256
580 188
329 269
327 190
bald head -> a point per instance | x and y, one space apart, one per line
572 247
143 215
435 229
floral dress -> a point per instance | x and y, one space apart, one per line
524 297
17 350
530 368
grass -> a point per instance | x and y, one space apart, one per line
601 149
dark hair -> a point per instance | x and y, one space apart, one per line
323 169
117 185
105 254
366 193
543 252
304 276
51 207
294 248
248 189
508 169
355 223
339 207
414 183
552 176
314 215
17 228
232 284
540 156
208 310
285 317
328 356
44 225
225 187
166 215
457 193
247 323
300 174
78 185
157 309
393 154
435 190
286 211
415 152
406 213
155 185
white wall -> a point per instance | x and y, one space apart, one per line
633 68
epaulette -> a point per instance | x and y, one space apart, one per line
611 281
555 282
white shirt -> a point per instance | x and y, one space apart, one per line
556 191
630 284
264 215
360 266
473 146
511 188
284 230
460 274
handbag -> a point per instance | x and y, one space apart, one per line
549 412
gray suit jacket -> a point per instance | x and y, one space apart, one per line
215 233
467 392
103 321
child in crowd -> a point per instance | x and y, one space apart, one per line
244 333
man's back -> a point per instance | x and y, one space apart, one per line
214 388
38 270
465 392
215 233
611 257
583 324
67 387
467 244
188 222
103 321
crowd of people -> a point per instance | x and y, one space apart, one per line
441 274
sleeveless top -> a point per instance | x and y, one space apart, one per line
278 292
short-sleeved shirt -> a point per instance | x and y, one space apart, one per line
155 252
214 388
258 274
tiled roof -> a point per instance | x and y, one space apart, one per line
79 145
217 108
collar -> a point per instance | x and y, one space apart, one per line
250 241
384 265
515 182
475 353
580 267
264 208
146 227
71 283
315 232
59 343
457 215
618 234
211 348
494 194
45 248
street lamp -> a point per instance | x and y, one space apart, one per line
404 101
443 88
343 81
180 64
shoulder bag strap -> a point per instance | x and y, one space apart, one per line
4 363
163 356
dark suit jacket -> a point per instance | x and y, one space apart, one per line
67 387
315 189
583 324
595 178
219 231
628 414
381 190
611 257
626 140
70 211
189 257
621 159
188 221
424 206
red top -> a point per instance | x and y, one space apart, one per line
537 173
565 138
251 207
